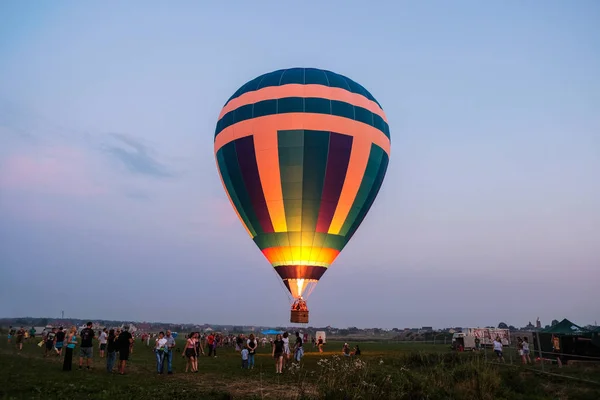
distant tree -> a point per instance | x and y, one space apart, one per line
547 327
512 328
554 322
502 325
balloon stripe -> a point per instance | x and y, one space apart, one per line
316 150
366 184
300 272
300 105
299 121
359 158
237 182
231 194
325 258
291 163
306 92
303 76
337 165
280 239
267 159
371 198
247 161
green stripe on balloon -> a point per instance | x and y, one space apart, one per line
291 164
266 240
371 198
231 190
237 182
369 179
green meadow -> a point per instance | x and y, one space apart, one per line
383 371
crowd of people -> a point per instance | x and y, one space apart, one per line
118 343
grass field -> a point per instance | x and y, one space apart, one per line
385 371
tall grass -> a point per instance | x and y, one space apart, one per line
411 376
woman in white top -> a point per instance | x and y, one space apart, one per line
159 349
498 348
526 357
286 347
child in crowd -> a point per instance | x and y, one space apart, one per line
245 353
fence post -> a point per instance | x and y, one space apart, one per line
539 345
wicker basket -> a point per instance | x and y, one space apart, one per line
299 317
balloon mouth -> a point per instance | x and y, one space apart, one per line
300 280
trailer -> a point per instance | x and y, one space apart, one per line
486 336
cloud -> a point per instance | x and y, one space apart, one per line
51 170
135 156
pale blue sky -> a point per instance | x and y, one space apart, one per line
111 205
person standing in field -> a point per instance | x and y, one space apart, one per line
11 333
346 350
20 338
520 348
210 342
102 342
526 357
556 349
286 347
278 353
159 349
124 342
320 344
60 340
71 343
50 342
298 349
169 352
32 333
191 353
498 348
252 344
245 354
87 346
111 350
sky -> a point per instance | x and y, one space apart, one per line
111 205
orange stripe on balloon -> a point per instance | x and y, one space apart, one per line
267 159
359 158
298 90
301 255
232 204
290 121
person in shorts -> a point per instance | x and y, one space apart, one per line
498 348
87 346
60 340
20 338
526 357
278 353
124 342
50 341
102 339
11 333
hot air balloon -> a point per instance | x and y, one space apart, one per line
302 154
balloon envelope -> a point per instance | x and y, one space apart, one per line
302 154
